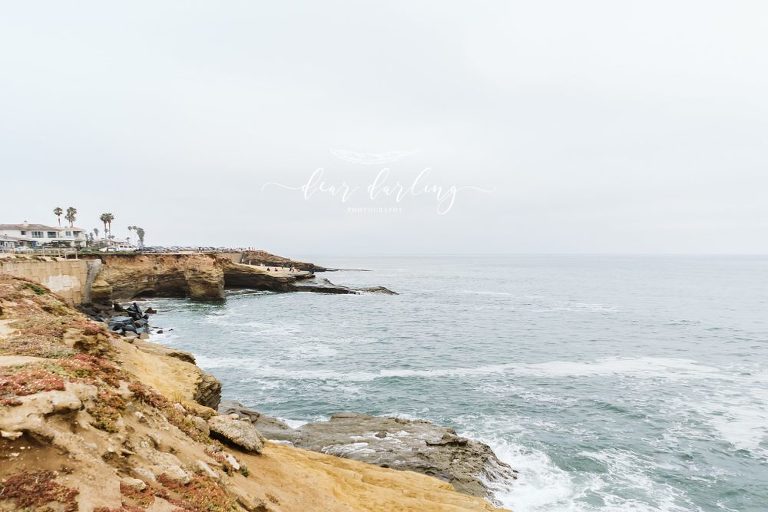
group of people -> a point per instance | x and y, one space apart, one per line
278 269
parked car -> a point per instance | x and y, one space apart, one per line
119 248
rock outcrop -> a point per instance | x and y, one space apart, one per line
171 372
322 285
273 260
237 275
198 276
240 433
126 276
270 427
410 445
413 445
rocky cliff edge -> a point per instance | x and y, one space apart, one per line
198 276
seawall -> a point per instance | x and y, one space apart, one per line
67 278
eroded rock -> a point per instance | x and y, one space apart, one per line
133 483
412 445
208 391
205 469
240 433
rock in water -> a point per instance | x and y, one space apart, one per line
269 427
408 445
383 290
240 433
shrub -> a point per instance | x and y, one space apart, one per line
107 410
200 495
37 490
23 382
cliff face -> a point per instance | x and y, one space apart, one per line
89 421
273 260
238 275
200 276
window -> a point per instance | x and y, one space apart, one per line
68 233
23 233
37 234
51 234
77 233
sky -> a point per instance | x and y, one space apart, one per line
398 127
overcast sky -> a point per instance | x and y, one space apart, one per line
597 127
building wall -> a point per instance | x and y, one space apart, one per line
60 235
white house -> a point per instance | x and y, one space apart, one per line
38 235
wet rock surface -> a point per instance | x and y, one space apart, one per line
322 285
409 445
413 445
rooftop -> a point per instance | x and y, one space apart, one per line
37 227
17 238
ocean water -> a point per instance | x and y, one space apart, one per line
610 383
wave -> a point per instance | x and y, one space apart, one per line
739 418
542 486
643 367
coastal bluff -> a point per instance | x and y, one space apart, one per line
90 421
104 278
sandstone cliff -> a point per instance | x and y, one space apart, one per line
198 276
89 421
273 260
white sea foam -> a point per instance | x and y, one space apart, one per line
643 367
740 418
485 292
310 350
165 337
293 423
542 486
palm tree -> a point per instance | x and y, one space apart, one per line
107 219
71 216
57 212
96 232
139 233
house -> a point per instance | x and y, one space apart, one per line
8 243
39 235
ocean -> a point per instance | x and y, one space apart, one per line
610 383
